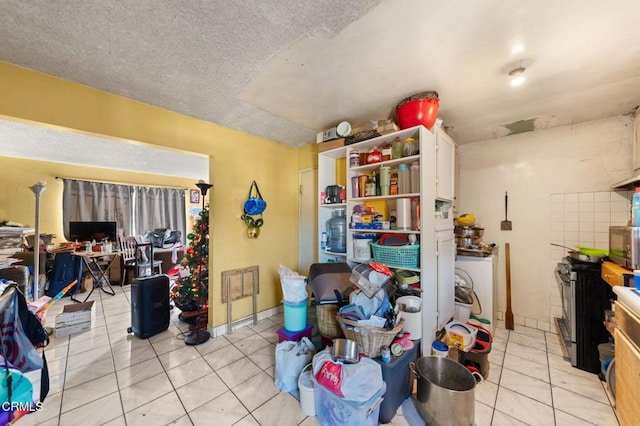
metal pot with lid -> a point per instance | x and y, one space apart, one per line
469 231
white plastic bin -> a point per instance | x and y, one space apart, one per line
331 410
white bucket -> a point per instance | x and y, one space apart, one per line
412 320
305 386
461 335
462 312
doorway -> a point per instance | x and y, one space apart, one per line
308 219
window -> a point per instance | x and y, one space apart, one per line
136 209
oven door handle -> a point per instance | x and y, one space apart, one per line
559 279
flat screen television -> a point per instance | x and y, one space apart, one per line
89 231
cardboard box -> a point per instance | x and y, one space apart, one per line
326 146
75 318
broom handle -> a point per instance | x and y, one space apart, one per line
508 320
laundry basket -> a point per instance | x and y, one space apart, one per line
327 322
371 339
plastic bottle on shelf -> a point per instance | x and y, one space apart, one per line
397 149
385 180
323 241
415 177
404 179
636 207
410 147
393 186
370 187
337 232
386 151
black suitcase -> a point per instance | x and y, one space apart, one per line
150 309
330 282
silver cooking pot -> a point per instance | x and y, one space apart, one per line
469 231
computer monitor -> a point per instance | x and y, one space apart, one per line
89 231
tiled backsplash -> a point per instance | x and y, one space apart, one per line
583 219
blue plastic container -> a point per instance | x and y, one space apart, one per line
295 315
635 204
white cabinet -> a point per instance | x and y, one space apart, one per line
445 165
436 253
446 254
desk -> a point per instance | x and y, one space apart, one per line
98 272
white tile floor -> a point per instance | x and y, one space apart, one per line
108 377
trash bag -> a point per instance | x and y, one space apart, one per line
17 349
291 357
353 382
294 286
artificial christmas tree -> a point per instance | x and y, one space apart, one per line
190 294
186 292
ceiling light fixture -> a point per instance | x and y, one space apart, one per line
516 72
517 76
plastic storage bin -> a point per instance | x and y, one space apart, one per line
397 376
331 410
295 315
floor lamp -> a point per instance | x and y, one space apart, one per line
37 189
198 336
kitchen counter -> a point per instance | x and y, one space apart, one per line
614 274
630 297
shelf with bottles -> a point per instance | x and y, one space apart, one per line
379 181
387 141
390 163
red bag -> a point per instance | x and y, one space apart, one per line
330 377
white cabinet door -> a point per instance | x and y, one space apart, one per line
445 165
446 253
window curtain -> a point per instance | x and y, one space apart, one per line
136 209
155 207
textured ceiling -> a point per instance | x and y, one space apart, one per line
285 70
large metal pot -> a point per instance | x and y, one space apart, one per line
469 231
467 242
445 391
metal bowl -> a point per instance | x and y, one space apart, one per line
345 350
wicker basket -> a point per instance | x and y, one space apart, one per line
398 256
371 339
327 322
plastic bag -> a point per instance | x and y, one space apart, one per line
16 346
291 357
357 382
294 289
376 305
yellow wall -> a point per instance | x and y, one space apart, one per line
236 159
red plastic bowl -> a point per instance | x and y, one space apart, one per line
419 111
